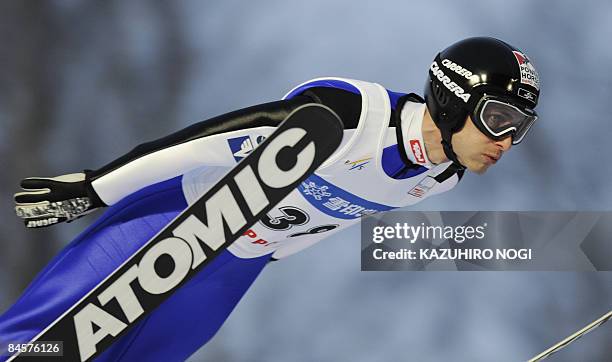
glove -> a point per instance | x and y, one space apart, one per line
48 201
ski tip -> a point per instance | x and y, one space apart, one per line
319 116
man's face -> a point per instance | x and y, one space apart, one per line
475 150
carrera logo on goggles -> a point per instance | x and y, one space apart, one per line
450 85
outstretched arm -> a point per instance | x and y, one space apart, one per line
200 144
46 201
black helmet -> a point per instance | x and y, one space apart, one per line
488 79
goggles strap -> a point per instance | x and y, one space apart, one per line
449 172
448 148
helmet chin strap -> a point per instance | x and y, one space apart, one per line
448 149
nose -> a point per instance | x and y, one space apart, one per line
504 144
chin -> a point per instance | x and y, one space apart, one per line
479 168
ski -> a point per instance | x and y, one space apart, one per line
564 343
307 137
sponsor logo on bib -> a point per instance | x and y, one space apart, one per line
337 202
244 145
417 151
358 164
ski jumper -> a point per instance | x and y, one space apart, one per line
370 172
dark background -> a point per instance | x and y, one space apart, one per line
81 83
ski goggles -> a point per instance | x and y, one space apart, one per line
499 119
